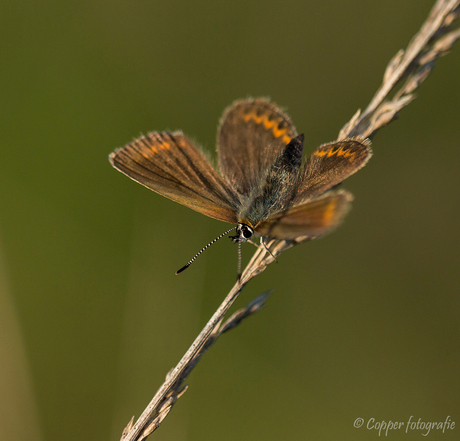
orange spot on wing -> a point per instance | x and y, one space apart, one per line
329 213
280 132
286 139
165 146
350 155
268 124
346 153
249 116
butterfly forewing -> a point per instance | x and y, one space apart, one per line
310 219
330 164
169 164
251 135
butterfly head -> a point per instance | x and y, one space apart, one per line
243 233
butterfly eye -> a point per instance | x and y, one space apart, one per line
246 231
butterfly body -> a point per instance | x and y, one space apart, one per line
262 185
274 192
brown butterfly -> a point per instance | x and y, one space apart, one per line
262 186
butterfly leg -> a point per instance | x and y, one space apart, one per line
265 246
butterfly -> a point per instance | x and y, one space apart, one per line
262 186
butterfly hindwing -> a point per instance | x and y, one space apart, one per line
169 164
330 164
251 135
310 219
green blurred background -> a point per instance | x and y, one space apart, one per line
363 323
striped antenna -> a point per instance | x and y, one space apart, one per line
199 252
239 261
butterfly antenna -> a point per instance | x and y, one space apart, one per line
199 252
239 261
